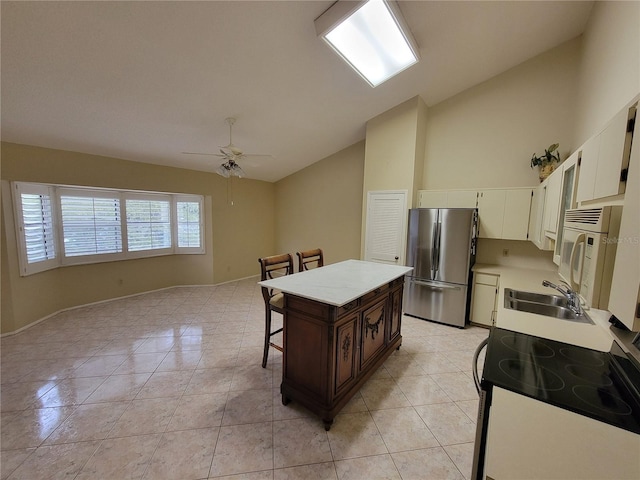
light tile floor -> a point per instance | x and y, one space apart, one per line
169 385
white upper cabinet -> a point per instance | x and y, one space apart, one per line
552 203
566 200
462 198
491 213
605 158
447 198
517 208
504 214
536 218
613 159
624 300
588 169
432 199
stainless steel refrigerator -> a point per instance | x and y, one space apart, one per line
441 248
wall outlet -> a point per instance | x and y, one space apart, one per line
505 252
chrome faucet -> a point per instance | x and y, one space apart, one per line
571 295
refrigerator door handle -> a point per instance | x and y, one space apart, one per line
437 249
434 251
436 285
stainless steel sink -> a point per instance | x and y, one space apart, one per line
535 297
548 305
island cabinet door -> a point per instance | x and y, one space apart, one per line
396 314
346 353
372 333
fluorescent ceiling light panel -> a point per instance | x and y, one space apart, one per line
371 36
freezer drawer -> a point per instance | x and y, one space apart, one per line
436 301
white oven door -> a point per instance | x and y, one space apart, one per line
572 257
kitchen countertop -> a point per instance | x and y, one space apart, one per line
595 449
339 283
596 337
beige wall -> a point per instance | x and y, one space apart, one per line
485 136
610 66
321 205
391 147
519 254
234 216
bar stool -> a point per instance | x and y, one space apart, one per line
273 267
308 258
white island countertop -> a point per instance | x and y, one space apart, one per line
339 283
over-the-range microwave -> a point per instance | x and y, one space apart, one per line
588 251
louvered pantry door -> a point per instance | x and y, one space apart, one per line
386 227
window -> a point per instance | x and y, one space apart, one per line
90 224
36 230
148 224
61 225
189 222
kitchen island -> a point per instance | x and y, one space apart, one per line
341 322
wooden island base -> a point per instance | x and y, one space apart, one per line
331 351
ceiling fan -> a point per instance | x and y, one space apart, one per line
231 154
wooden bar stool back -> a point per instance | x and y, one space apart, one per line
310 258
273 267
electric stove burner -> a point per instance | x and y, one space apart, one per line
591 376
600 399
582 356
532 375
533 346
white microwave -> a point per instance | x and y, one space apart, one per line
588 251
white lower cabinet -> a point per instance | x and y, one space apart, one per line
484 299
530 439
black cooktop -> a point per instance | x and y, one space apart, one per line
599 385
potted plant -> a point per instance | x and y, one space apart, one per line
547 162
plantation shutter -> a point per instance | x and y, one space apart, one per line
189 220
91 224
148 224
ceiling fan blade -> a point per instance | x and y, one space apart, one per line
199 153
232 150
256 156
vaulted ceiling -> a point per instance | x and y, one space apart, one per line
145 81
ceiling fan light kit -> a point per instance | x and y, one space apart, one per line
231 153
230 169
